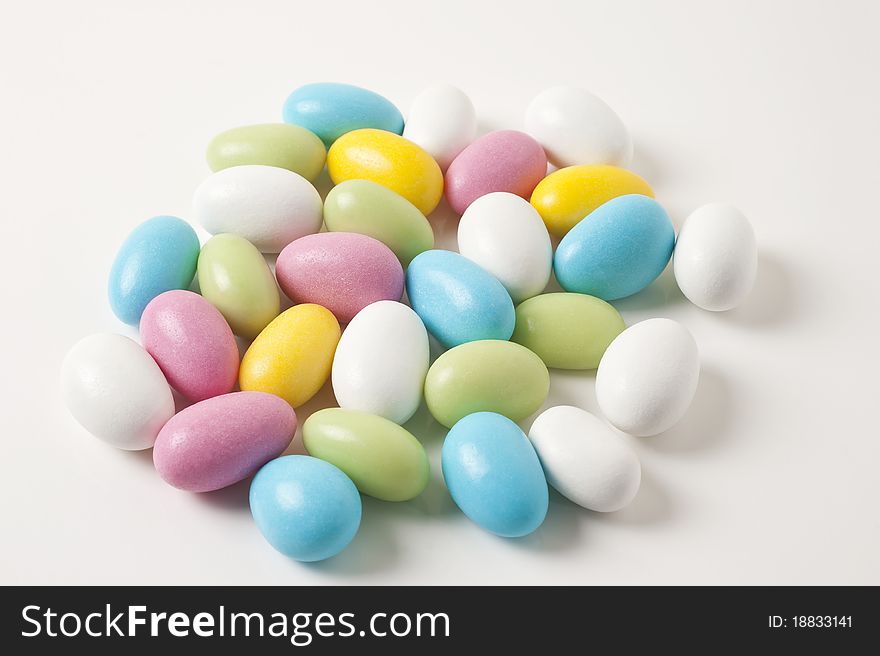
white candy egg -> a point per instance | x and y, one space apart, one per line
506 236
116 391
585 460
716 257
576 127
648 376
442 120
268 206
381 362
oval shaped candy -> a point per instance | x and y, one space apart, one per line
234 278
381 362
618 250
489 375
116 391
576 127
443 121
343 271
370 209
584 460
283 145
381 458
505 160
291 358
330 109
505 235
305 508
159 255
192 343
566 196
458 300
222 440
494 475
389 160
267 205
716 257
648 376
567 331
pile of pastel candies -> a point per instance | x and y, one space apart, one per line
349 259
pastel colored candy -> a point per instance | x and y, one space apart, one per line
458 300
576 127
389 160
370 209
716 257
443 121
584 460
505 160
222 440
567 331
234 278
648 376
283 145
381 362
566 196
192 343
267 205
618 250
488 375
291 358
494 475
505 235
159 255
343 271
381 458
305 508
330 110
116 391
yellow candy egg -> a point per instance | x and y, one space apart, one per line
389 160
566 196
292 356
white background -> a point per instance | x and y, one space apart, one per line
772 477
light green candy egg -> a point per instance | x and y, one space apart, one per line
234 278
567 331
370 209
272 144
487 375
383 459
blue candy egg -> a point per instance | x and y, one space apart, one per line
159 255
330 110
617 250
458 300
306 508
494 474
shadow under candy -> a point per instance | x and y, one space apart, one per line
373 548
435 500
659 296
324 398
705 425
427 429
144 457
651 505
323 184
773 300
561 530
231 498
444 222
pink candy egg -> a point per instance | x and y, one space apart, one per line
223 440
342 271
505 160
192 344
